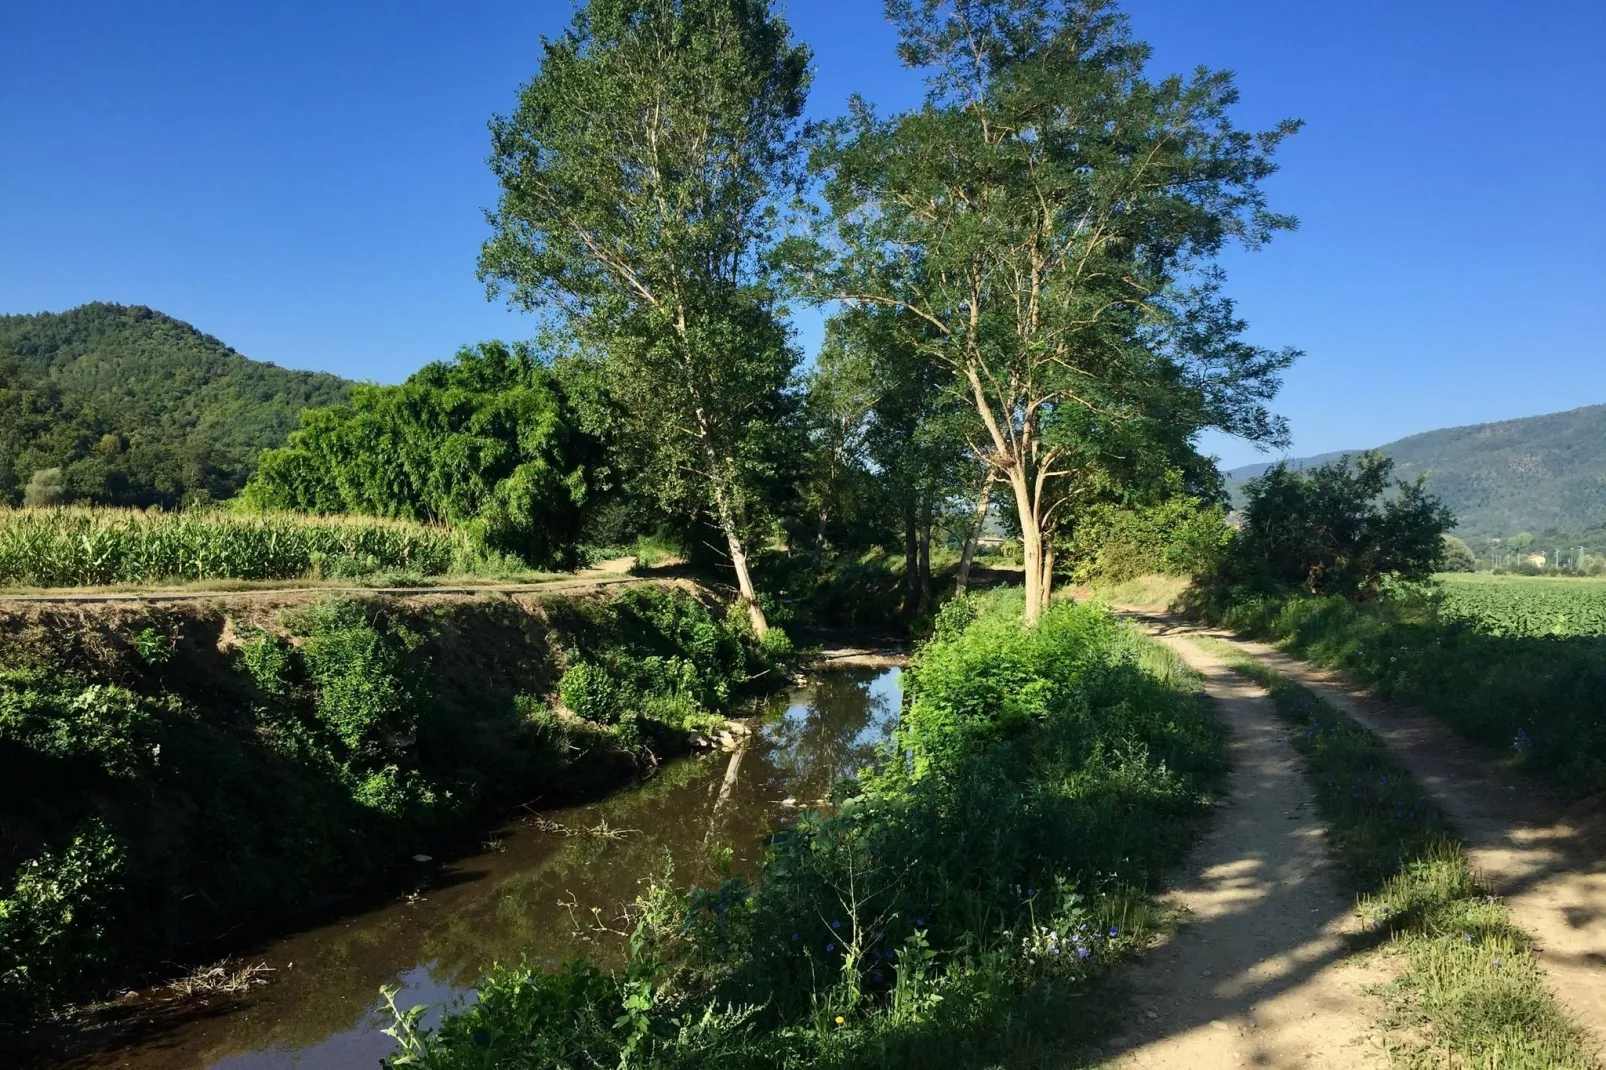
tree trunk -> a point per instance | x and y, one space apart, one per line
925 562
1031 544
1047 589
744 575
911 560
969 554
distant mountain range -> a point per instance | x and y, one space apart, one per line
124 405
1537 474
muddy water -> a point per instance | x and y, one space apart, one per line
535 893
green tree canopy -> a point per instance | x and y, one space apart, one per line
1339 528
1047 221
643 175
483 440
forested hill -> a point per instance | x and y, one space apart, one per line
1541 473
135 407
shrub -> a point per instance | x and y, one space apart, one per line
589 692
484 441
1179 537
54 922
1340 528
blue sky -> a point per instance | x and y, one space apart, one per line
304 180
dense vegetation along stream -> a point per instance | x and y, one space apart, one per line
544 888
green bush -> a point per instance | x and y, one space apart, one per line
1341 528
54 921
943 906
485 441
1179 537
589 692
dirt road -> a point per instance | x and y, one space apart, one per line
1548 861
1258 975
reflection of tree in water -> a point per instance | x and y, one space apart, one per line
834 733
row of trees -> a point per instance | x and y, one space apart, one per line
1023 266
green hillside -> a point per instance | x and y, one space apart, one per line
1538 474
137 408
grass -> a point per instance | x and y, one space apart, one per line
953 908
1152 591
1470 992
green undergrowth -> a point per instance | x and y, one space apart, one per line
954 906
1470 992
1536 700
177 774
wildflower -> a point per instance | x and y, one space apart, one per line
1114 932
919 922
1082 952
830 947
1466 938
794 936
836 925
840 1019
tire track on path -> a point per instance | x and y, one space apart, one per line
1259 974
1546 860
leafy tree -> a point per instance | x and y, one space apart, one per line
840 492
44 489
1048 218
641 177
484 440
1457 556
1339 528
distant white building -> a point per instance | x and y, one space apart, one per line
1537 560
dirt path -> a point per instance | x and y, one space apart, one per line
1259 973
1547 861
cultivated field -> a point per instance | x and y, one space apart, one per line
77 547
1526 605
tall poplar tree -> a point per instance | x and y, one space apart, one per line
643 174
1046 222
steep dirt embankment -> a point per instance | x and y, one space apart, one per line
178 772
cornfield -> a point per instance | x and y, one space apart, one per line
80 547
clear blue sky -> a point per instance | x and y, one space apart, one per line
304 180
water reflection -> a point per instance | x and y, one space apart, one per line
538 896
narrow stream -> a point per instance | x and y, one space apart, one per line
532 894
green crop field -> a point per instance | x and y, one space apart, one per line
82 547
1526 606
